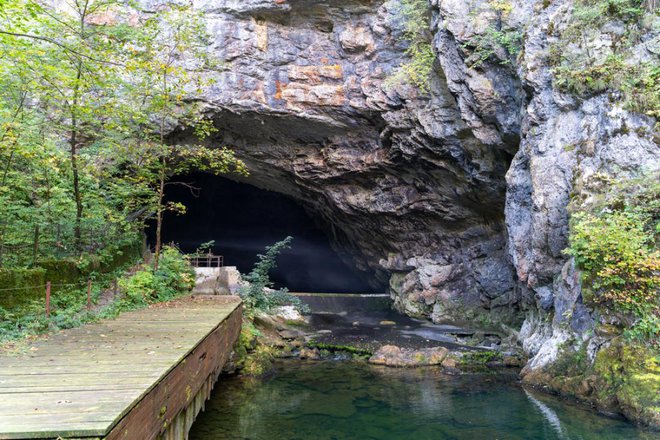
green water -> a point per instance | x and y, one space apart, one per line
344 400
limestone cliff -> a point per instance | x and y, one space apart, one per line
457 197
407 184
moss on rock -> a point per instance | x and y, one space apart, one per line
623 378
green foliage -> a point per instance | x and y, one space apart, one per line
174 277
572 360
616 248
258 295
86 103
159 77
623 372
480 358
68 309
19 287
417 71
485 46
357 352
252 357
585 72
499 42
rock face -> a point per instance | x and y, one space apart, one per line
408 185
458 198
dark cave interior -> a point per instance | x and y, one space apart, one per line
243 220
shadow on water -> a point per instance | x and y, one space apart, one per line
346 400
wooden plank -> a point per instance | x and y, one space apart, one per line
135 374
162 405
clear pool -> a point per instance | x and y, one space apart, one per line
346 400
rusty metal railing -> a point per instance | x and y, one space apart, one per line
207 260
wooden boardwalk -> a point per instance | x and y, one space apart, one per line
127 378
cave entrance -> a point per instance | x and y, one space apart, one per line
243 220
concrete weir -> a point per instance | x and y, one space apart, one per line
144 375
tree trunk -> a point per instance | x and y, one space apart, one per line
76 193
159 213
5 223
73 145
161 179
35 249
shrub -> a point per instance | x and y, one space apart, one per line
615 248
417 71
259 295
173 278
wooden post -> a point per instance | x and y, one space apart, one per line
48 299
89 294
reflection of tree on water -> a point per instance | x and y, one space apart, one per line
550 416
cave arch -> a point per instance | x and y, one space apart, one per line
243 219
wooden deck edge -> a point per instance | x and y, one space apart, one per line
180 394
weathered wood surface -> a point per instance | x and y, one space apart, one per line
126 378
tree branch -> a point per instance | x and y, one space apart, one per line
63 46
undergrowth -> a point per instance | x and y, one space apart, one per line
137 289
615 247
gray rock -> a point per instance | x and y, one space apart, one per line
458 199
393 356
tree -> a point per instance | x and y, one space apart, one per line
161 82
79 78
70 56
259 295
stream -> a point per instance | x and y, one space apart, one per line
335 400
353 400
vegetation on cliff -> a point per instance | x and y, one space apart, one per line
614 244
594 52
416 34
499 42
615 247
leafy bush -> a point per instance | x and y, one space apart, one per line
173 278
259 295
617 252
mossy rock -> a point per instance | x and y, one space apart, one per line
19 287
633 375
624 378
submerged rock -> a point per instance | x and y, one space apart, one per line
310 353
393 356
